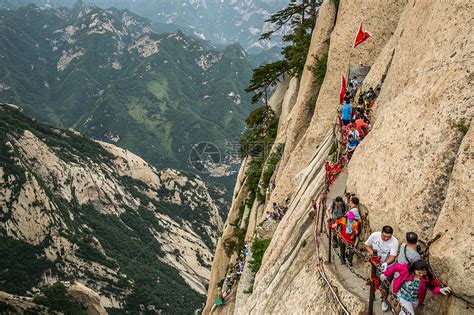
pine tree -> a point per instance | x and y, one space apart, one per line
296 13
301 16
266 76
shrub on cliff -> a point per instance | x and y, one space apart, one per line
259 246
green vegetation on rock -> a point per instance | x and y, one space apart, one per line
155 94
124 242
259 246
56 298
22 265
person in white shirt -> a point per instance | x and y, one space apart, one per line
384 245
354 132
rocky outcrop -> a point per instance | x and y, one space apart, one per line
13 304
57 183
88 298
413 171
221 259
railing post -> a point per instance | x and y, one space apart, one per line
373 273
330 240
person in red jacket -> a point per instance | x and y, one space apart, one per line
412 283
349 231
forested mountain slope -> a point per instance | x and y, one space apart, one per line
76 209
108 75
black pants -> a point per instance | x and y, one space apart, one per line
346 252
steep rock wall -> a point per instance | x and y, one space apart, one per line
420 178
381 19
414 170
221 260
340 55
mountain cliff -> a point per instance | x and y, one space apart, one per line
76 209
413 171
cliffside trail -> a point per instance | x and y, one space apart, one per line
413 171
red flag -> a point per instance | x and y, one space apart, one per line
361 36
343 90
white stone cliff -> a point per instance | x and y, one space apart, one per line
35 217
414 171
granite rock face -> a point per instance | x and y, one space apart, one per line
414 171
54 181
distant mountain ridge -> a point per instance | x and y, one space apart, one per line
222 22
107 74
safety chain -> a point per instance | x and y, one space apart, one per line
351 269
322 273
378 264
469 303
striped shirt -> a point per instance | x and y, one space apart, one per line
409 290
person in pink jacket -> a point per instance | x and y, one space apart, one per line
412 283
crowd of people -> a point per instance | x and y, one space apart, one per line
277 212
402 269
235 272
401 265
353 118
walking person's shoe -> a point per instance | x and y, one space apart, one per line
385 306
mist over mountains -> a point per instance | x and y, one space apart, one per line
221 22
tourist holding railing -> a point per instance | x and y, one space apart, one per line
412 283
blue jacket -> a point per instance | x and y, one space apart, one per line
353 143
346 111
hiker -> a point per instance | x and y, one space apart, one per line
349 231
370 95
361 126
346 111
268 217
412 283
336 211
408 252
355 82
384 245
352 89
406 255
274 206
354 207
351 146
360 100
353 131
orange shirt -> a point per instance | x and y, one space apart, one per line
348 237
359 123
